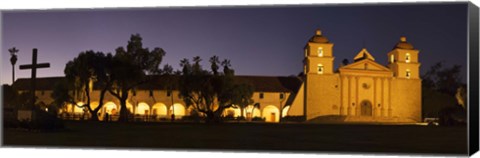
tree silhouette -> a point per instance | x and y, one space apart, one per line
439 88
83 72
242 96
13 60
442 79
255 106
211 92
131 67
345 62
238 93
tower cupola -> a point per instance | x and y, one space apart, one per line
403 44
319 38
318 55
403 60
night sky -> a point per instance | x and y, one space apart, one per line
267 40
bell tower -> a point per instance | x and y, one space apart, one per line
321 82
405 88
403 60
318 55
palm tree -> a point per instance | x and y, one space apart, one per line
13 59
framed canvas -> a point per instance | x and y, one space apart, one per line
374 79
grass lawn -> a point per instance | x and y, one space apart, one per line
249 136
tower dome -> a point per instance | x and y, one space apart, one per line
403 44
318 38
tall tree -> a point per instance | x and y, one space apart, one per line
13 60
131 67
211 92
242 96
87 69
235 92
439 86
443 79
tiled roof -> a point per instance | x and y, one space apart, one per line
46 83
261 83
273 84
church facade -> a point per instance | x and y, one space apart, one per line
361 91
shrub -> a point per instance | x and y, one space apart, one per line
42 121
259 119
9 118
240 118
293 119
453 115
191 118
229 118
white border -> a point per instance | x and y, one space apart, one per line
73 153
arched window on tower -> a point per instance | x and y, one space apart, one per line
408 73
320 51
320 69
407 57
306 52
392 58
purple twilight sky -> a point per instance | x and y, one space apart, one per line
263 40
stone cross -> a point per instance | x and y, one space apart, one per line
34 66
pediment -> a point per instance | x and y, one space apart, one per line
363 54
365 64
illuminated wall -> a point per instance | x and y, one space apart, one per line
363 90
297 107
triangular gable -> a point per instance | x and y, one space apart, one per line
366 64
364 54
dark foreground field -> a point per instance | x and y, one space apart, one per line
242 136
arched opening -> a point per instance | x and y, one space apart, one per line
366 108
251 112
232 112
143 109
78 109
320 69
407 58
159 110
271 113
320 51
110 108
285 111
407 73
177 109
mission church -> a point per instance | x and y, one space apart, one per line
362 91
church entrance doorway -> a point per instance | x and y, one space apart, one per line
366 108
